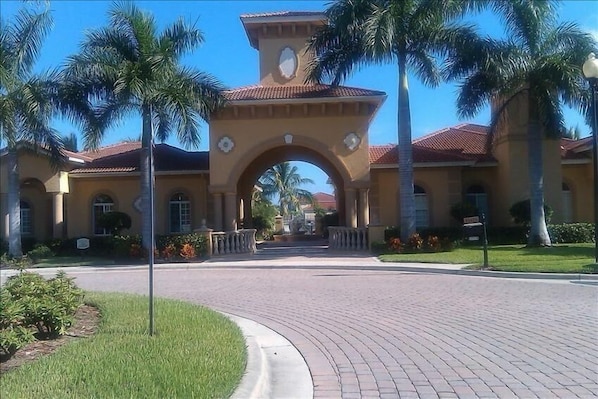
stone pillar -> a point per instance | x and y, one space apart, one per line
363 218
58 215
4 214
278 225
230 211
247 214
350 208
206 232
217 211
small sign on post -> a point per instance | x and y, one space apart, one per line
473 229
82 245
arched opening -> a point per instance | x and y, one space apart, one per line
36 214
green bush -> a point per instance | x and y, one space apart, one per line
13 334
48 305
391 232
522 214
177 241
114 222
571 233
40 251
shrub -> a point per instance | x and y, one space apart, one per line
169 251
197 241
521 212
40 251
507 235
571 232
433 244
451 233
114 222
48 305
379 247
396 245
187 251
391 232
13 334
414 243
463 210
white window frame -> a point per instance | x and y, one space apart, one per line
26 218
477 199
183 204
422 208
99 208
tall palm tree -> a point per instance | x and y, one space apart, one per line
539 62
129 67
70 142
283 180
407 33
27 103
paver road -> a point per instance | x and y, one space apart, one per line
378 334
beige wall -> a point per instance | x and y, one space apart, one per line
124 190
270 50
580 178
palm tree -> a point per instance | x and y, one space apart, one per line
283 180
130 67
573 133
538 63
27 104
407 33
70 142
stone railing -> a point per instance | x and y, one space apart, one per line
232 242
348 238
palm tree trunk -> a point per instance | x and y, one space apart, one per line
407 197
146 184
538 235
14 205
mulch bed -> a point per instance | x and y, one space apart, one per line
87 319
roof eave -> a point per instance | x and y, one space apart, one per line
578 161
378 99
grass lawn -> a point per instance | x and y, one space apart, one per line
562 258
196 353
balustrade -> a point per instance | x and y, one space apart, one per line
348 238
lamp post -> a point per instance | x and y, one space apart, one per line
590 71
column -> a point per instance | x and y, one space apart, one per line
363 218
4 214
350 208
217 211
58 214
230 211
247 214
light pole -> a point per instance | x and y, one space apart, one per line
590 71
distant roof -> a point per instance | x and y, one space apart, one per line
283 14
124 157
112 149
262 93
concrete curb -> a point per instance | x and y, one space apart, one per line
275 368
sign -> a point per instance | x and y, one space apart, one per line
83 243
473 219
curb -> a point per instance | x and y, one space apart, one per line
275 368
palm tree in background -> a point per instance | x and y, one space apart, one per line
28 102
70 142
573 133
539 63
128 67
407 33
283 180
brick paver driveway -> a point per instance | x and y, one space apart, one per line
390 334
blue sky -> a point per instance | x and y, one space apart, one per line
227 55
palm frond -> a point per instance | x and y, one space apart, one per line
180 38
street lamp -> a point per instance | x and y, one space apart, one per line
590 71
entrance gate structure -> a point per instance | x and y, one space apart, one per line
284 118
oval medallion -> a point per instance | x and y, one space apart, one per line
287 63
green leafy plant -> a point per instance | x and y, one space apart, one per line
13 334
571 232
521 213
414 243
114 221
40 251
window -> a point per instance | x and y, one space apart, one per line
567 204
422 218
476 196
26 220
102 204
180 213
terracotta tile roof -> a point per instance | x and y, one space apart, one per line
574 149
466 139
112 149
250 93
325 200
389 155
283 14
166 158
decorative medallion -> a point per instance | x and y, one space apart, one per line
352 141
226 144
288 138
287 63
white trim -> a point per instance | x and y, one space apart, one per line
378 99
249 20
137 173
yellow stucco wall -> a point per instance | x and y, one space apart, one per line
580 178
124 190
33 166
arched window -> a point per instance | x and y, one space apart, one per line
180 213
567 204
101 204
422 215
476 196
26 219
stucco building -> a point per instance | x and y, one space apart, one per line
282 118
